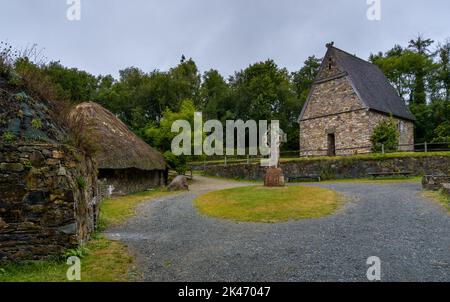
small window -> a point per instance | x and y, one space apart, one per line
330 64
401 127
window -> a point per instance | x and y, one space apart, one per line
401 127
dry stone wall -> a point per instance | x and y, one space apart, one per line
48 200
346 167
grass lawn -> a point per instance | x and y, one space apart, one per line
269 205
103 260
116 211
368 180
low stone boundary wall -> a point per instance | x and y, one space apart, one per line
434 182
345 167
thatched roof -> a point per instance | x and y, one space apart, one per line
117 147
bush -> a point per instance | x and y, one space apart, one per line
36 123
81 182
8 137
177 163
386 134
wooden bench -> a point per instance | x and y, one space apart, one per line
304 177
384 174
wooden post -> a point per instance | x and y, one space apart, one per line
426 147
382 149
225 160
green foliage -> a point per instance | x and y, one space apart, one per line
385 133
28 165
8 137
422 79
160 135
36 123
79 252
177 163
81 182
21 96
442 133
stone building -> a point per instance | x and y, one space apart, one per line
126 164
48 190
348 99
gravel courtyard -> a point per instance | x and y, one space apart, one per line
410 234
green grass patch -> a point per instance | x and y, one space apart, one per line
115 211
440 197
105 260
269 205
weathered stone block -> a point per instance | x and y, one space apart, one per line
13 167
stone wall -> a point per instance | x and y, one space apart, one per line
335 108
346 167
126 181
352 131
48 200
435 182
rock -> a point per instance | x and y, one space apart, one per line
14 167
57 154
62 171
179 184
69 229
37 159
3 224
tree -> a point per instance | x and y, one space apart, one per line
215 96
263 92
385 133
161 136
442 133
303 79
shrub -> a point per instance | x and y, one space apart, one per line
21 96
8 137
36 123
28 165
177 163
81 182
80 252
385 133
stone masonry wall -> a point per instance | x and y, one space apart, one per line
335 108
126 181
346 167
48 200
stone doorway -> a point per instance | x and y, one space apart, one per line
331 144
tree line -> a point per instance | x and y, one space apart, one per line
145 101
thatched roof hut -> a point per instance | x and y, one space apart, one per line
117 147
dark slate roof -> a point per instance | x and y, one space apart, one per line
372 85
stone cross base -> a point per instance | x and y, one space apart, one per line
274 178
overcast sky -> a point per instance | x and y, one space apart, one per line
227 35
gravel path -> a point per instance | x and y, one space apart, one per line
410 235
